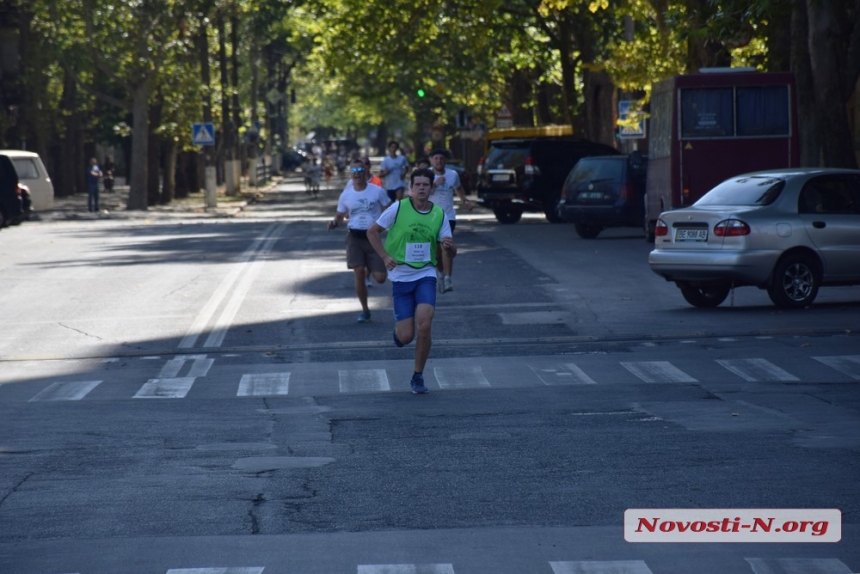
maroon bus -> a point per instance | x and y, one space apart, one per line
707 127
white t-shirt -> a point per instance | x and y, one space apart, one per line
403 272
443 196
362 207
396 165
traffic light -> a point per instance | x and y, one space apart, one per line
420 92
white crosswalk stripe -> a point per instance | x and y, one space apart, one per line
466 377
363 380
798 566
264 384
405 569
66 391
755 370
601 567
567 374
456 374
847 364
658 372
252 570
175 388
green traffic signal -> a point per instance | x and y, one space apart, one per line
420 93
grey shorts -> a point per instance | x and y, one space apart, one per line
360 253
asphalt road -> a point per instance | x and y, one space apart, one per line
190 393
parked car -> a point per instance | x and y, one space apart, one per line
519 175
11 208
604 191
32 173
789 231
292 159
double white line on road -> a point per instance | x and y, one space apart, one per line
244 271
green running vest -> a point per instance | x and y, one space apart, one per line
412 237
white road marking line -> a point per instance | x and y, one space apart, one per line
202 319
67 391
460 377
216 337
601 567
363 381
264 384
754 370
252 570
175 388
658 372
405 569
200 367
846 364
798 566
573 375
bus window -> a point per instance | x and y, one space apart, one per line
707 113
763 111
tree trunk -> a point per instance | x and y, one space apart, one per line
71 168
171 151
153 156
600 104
825 56
138 178
568 75
807 119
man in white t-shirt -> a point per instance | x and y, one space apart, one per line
445 184
415 228
362 203
392 171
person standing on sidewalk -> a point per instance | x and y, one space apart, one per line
446 183
94 174
415 228
361 203
392 170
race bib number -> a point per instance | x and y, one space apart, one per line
417 252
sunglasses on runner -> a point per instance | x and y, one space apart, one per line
356 169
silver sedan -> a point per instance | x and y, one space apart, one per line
789 231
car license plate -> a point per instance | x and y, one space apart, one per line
501 177
697 235
591 195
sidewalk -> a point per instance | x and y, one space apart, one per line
114 205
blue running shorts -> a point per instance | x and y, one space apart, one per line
409 294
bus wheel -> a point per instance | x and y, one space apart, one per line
795 282
649 230
552 216
705 296
507 214
587 231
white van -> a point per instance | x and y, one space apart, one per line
32 173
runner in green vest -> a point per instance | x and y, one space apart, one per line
415 227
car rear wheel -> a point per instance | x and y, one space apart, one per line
795 282
587 231
705 296
507 215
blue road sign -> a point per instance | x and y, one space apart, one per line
631 120
203 134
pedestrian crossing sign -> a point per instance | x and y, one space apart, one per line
203 134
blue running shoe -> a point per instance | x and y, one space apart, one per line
364 317
418 387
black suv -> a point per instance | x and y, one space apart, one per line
519 175
601 192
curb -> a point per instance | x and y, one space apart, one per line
113 206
